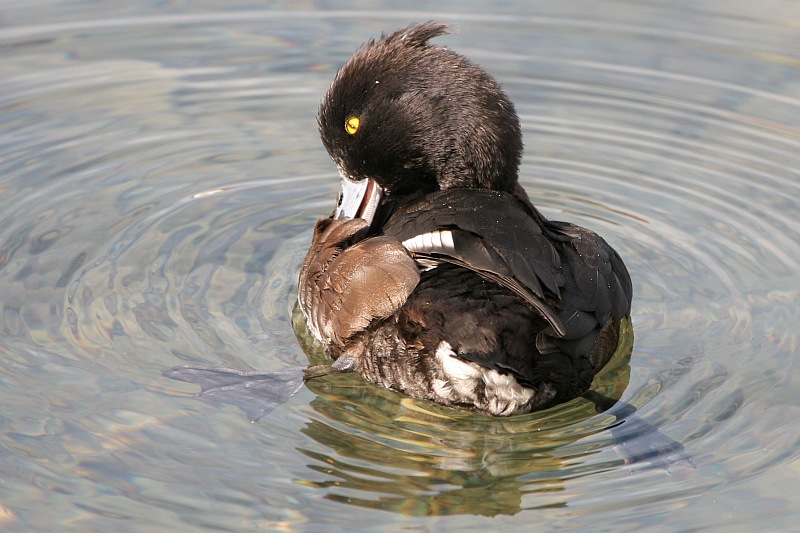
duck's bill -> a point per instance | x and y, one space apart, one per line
358 199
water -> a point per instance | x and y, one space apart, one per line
160 173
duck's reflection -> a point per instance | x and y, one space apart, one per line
422 462
394 453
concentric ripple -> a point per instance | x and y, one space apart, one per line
160 176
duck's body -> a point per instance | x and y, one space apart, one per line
439 278
467 335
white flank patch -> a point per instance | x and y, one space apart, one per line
453 368
503 395
442 388
506 390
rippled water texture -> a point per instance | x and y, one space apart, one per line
160 173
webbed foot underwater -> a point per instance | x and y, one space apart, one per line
435 275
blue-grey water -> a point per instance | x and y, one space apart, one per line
160 174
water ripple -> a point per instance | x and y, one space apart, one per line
159 192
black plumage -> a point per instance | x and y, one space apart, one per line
567 274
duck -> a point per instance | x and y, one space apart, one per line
435 275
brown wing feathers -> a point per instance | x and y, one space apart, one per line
347 291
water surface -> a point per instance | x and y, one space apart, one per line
160 174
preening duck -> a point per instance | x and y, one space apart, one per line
435 275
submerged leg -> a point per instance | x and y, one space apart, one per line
638 441
257 393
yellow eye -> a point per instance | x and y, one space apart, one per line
352 124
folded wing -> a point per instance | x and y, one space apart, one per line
491 233
346 282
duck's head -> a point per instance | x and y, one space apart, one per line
404 118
